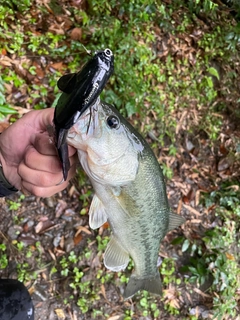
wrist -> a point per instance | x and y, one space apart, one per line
6 188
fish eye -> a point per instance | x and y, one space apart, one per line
113 122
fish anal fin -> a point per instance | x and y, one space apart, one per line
115 257
97 213
151 284
175 221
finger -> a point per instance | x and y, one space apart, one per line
40 162
44 144
47 191
43 172
42 179
71 151
39 119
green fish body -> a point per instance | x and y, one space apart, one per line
130 193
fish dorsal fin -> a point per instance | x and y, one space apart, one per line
97 213
175 221
115 257
67 82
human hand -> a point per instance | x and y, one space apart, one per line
29 159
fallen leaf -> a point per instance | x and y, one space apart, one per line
115 317
84 229
77 239
230 256
39 71
202 293
59 66
52 254
76 34
60 313
43 225
6 62
103 291
60 207
223 150
61 244
194 211
4 52
225 163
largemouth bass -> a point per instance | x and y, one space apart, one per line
130 193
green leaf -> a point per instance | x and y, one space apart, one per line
185 245
7 110
214 72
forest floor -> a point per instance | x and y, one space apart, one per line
48 244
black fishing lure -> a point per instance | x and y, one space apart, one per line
80 91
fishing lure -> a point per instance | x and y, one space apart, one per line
80 91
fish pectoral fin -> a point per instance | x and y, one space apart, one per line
175 221
115 257
97 213
151 284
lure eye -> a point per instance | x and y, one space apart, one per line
108 52
113 122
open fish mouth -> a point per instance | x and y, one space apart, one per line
92 127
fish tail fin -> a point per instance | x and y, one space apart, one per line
151 284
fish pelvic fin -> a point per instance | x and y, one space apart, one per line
115 257
175 221
97 213
151 284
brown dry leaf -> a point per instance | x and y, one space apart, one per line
43 226
44 275
115 317
84 229
3 126
194 211
31 290
56 28
59 66
28 240
39 71
60 313
103 291
71 191
179 208
106 225
171 296
62 205
230 256
102 228
76 34
52 254
223 150
21 111
196 221
4 52
202 293
5 61
59 252
61 244
197 197
77 239
225 163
